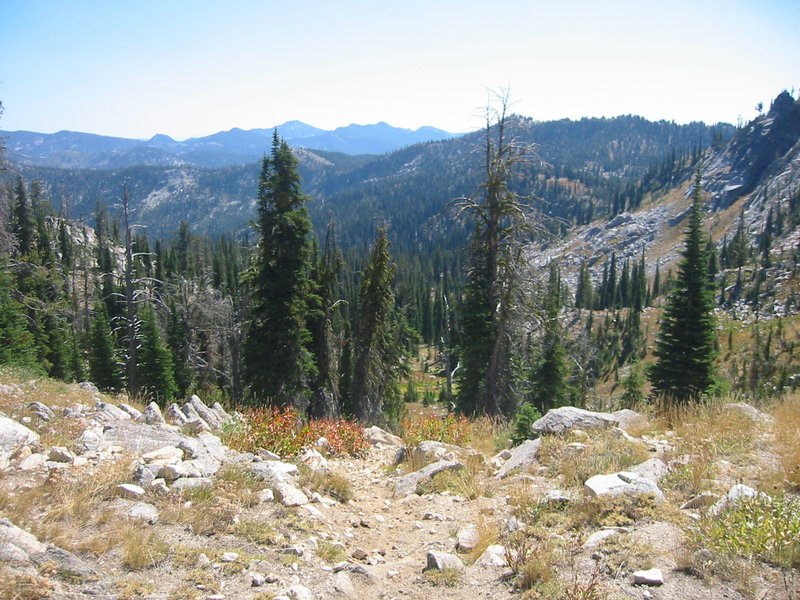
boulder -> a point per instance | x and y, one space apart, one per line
623 482
60 454
407 484
561 420
654 469
14 435
205 413
378 437
467 538
44 412
648 577
627 418
493 556
288 495
152 415
88 386
300 592
734 497
134 413
521 457
750 412
106 412
443 561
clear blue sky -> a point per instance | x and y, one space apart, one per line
193 67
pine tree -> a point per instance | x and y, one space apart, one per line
375 360
278 363
17 345
686 348
550 382
488 378
156 377
103 364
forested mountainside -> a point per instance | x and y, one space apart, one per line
589 168
583 299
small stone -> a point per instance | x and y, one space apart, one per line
359 554
443 561
130 490
467 538
203 560
598 537
60 454
300 592
142 511
493 556
295 550
266 495
257 579
229 557
271 578
649 577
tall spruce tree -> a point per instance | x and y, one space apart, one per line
278 363
686 348
374 365
104 367
156 376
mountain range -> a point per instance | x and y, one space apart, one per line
236 147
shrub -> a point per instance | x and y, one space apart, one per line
526 416
282 431
449 429
764 528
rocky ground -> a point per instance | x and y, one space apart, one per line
101 500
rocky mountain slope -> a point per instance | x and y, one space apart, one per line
101 500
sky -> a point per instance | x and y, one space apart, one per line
189 68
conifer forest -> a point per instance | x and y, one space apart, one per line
505 272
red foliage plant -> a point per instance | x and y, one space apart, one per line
282 431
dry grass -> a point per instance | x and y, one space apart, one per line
787 440
603 453
532 556
332 483
18 586
488 534
68 511
141 548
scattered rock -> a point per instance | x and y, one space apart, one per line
88 386
623 482
560 420
13 435
443 561
734 496
654 469
152 415
257 579
378 437
300 592
493 556
129 490
407 484
228 557
522 457
467 538
288 495
44 412
60 454
649 577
